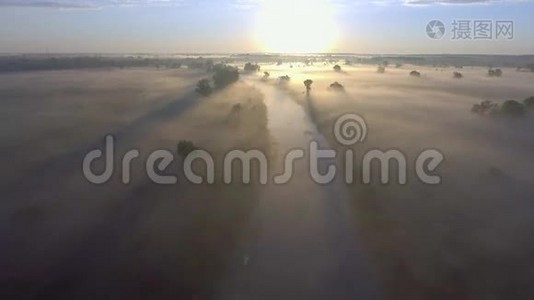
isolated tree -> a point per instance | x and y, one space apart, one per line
284 80
308 83
266 75
336 86
458 75
337 68
204 87
415 74
494 73
381 70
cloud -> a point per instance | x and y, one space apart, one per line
456 2
239 4
85 3
445 2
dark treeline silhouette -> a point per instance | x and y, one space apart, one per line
21 63
31 62
511 108
204 87
250 67
48 63
223 75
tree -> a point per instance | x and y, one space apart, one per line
458 75
529 102
185 148
337 68
283 80
494 73
308 83
381 70
513 108
224 75
415 74
249 67
485 107
510 108
204 87
336 86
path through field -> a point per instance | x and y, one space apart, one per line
306 246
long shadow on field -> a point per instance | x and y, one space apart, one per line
66 164
48 185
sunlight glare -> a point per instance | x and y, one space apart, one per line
298 26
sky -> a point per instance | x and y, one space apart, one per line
251 26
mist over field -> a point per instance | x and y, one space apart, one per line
473 229
467 237
266 149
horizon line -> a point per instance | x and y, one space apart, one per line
263 53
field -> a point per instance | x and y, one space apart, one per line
64 236
468 237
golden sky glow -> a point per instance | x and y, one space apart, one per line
297 26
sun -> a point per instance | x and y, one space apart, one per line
298 26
